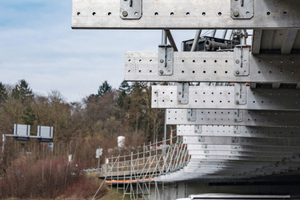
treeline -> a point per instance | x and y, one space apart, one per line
80 127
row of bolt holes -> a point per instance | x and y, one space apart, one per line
269 120
248 113
140 60
204 101
172 13
251 132
204 72
287 94
156 13
226 61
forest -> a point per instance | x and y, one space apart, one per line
79 128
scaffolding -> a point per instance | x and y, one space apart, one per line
135 173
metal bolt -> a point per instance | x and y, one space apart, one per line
179 101
235 120
179 93
237 102
125 13
161 71
237 94
236 13
189 119
161 61
237 72
237 61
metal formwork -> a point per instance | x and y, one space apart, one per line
237 109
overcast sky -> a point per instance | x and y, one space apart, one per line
37 44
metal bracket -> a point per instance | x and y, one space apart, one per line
241 60
165 60
237 130
130 9
198 128
240 93
183 93
191 116
201 139
238 116
242 9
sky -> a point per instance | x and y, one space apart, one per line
37 44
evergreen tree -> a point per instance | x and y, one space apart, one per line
125 87
105 87
3 93
22 91
28 116
124 90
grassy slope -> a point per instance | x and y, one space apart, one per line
113 195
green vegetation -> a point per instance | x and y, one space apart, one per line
79 129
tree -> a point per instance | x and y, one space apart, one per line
3 93
28 116
105 87
124 89
22 91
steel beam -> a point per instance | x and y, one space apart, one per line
213 67
223 140
246 148
170 14
289 41
226 97
227 117
239 131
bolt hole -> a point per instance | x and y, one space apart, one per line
136 13
78 13
268 13
182 71
109 13
216 61
187 14
259 72
226 72
156 13
204 72
150 60
204 61
94 13
129 60
172 14
182 61
203 14
194 61
284 13
226 61
193 72
150 71
219 13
